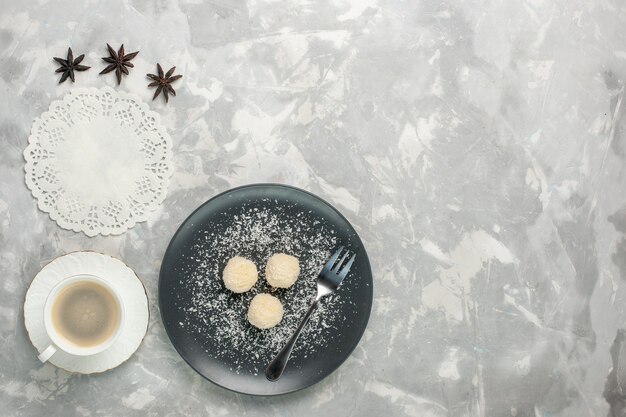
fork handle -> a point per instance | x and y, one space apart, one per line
276 367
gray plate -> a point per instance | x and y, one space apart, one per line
242 372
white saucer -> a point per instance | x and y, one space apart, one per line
121 277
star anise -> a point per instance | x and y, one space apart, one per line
69 65
120 62
162 82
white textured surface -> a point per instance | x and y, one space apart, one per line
477 146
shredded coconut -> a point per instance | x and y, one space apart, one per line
216 317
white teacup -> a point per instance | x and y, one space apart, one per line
82 303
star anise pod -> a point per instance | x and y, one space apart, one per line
120 62
162 82
69 65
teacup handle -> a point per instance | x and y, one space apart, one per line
47 353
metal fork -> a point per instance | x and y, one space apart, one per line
327 281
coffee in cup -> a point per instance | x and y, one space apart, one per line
83 315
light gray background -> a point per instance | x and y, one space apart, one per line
477 147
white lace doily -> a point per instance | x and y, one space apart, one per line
98 161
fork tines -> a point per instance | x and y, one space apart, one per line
336 267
